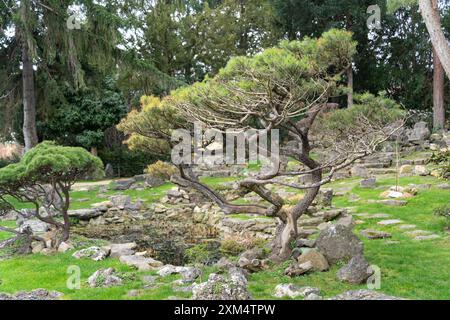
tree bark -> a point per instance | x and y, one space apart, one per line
438 94
287 230
350 87
29 99
432 18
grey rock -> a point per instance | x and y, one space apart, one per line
141 263
357 271
121 202
190 274
297 269
318 261
339 243
313 296
325 198
104 278
394 203
292 291
221 287
419 133
369 183
224 264
38 294
35 225
425 238
251 260
123 184
85 214
389 222
359 171
153 182
149 280
364 295
374 234
123 249
93 253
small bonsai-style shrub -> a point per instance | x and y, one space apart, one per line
161 170
442 159
444 211
44 178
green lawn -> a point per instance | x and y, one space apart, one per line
410 269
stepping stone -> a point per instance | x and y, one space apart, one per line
416 233
391 243
394 203
424 238
407 226
389 222
444 186
374 234
373 216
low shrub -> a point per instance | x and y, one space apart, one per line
442 159
235 245
202 254
161 170
444 211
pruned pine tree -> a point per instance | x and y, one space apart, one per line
287 87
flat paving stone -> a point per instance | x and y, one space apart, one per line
407 227
389 222
424 238
373 216
416 233
394 203
375 234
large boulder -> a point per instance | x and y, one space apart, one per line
338 242
223 287
104 278
357 271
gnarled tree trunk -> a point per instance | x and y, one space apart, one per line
287 230
432 18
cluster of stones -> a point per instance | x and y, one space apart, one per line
417 139
126 253
334 244
38 294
